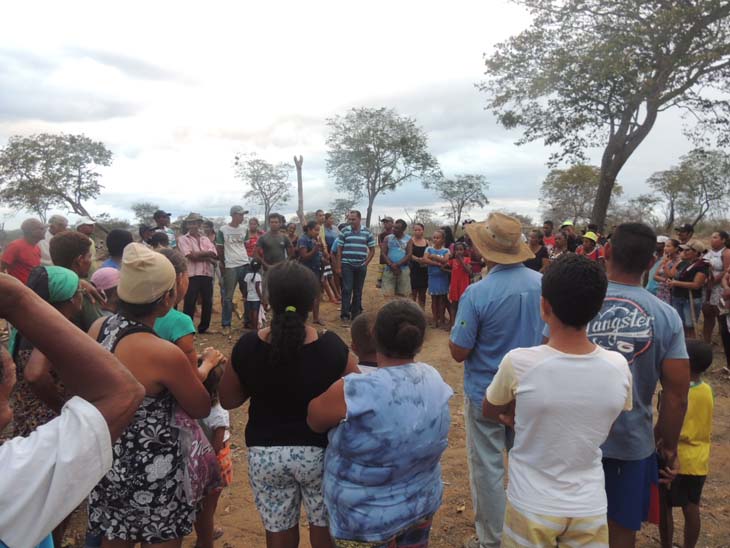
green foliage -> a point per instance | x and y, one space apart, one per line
695 188
144 211
373 151
590 73
340 207
525 220
567 194
268 183
461 193
51 170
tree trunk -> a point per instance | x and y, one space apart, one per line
300 190
603 198
369 212
670 216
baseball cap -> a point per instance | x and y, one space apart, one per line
686 227
238 210
386 219
161 213
591 236
84 221
696 245
566 223
662 239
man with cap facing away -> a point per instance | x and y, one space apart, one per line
496 315
162 220
201 255
230 241
684 233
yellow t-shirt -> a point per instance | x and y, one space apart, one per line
694 440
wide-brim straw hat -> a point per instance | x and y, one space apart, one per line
194 218
499 239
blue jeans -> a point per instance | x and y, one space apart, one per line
684 309
232 277
485 445
353 280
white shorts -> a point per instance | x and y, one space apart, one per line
284 477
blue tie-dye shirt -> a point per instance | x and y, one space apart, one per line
382 469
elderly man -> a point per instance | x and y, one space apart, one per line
56 225
496 315
23 255
87 226
230 241
201 255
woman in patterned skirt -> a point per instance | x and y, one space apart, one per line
142 499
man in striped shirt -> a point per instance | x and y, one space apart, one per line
355 250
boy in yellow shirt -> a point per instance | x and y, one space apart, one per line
693 451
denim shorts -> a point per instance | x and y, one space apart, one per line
682 306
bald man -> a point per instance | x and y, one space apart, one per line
56 225
23 255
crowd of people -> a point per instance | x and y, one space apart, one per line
105 397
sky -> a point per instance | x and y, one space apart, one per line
175 91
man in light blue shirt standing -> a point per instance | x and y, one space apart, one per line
496 315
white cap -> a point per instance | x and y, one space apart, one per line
84 221
662 239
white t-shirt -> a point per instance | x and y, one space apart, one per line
218 418
566 404
46 475
233 241
45 245
250 278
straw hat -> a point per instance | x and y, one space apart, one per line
499 239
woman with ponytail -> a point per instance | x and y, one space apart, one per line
382 481
281 369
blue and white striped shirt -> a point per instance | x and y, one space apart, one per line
355 245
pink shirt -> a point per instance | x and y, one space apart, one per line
188 244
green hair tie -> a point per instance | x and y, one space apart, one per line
290 309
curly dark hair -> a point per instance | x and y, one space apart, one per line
575 288
292 290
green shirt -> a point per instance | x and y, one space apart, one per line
174 325
90 312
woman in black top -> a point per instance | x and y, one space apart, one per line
419 269
540 262
281 369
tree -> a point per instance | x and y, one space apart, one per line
341 207
106 222
461 193
51 170
590 73
698 186
144 212
525 220
425 216
373 151
268 183
300 190
638 209
567 194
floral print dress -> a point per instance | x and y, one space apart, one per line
142 497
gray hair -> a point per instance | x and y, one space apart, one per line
57 219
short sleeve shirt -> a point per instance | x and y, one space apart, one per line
174 325
694 440
397 248
496 315
47 474
355 246
250 279
646 331
314 262
567 397
189 244
21 257
233 240
686 272
274 247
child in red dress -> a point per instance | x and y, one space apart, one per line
460 277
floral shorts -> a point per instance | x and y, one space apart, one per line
414 536
284 477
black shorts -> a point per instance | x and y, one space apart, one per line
686 489
251 306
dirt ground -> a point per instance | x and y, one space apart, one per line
454 521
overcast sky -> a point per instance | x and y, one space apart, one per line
175 91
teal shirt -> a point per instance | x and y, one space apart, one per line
174 325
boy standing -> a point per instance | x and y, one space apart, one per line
694 451
568 394
252 306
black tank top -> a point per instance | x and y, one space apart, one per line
277 415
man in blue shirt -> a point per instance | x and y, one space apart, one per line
355 250
496 315
397 249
